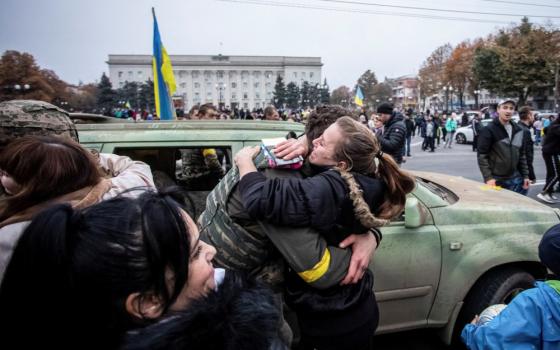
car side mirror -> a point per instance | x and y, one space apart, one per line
414 213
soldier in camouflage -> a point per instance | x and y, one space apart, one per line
262 249
201 168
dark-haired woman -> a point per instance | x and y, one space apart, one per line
87 278
39 171
359 189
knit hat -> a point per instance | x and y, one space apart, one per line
549 249
385 108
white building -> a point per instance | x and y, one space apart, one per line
235 81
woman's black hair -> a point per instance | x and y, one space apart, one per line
72 270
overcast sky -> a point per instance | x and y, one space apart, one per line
75 37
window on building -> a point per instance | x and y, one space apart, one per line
183 85
233 85
295 74
245 105
268 85
120 74
268 75
121 84
257 105
245 95
303 75
311 74
208 86
130 74
139 73
209 94
257 74
233 96
195 74
257 96
256 84
245 85
220 74
196 85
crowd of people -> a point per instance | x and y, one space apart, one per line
94 256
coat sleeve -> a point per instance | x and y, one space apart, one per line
517 327
394 140
529 153
484 146
307 253
126 172
291 201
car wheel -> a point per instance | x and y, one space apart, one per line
460 138
496 287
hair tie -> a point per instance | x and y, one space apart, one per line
379 154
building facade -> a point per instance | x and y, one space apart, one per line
405 92
228 81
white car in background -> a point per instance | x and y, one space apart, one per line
465 134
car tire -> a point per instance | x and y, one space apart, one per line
496 287
461 138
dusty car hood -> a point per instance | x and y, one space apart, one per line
490 205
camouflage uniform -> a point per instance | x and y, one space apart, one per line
201 168
260 248
27 117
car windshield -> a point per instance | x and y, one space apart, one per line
438 189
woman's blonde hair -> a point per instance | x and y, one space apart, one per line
361 152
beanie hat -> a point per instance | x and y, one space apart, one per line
549 249
385 108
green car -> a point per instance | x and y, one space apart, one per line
458 247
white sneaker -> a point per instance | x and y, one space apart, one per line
553 197
545 197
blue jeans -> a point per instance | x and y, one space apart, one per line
514 184
406 148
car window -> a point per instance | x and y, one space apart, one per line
441 191
197 170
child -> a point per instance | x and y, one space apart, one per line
532 319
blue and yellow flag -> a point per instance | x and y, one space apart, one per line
164 81
359 98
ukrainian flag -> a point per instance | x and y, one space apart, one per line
359 98
164 81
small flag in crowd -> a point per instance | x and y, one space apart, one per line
164 81
127 105
359 98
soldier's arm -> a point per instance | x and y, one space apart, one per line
318 264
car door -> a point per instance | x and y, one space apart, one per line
407 268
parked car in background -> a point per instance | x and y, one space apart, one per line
457 247
465 134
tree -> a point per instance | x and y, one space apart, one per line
292 95
324 93
19 71
106 96
432 72
84 98
279 92
305 94
341 96
458 68
382 92
367 82
147 101
518 61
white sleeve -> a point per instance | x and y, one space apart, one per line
126 172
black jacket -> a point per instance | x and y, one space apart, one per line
240 315
529 149
500 157
392 141
321 201
409 124
551 144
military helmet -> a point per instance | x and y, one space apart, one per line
28 117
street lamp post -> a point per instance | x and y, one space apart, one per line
476 93
451 96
